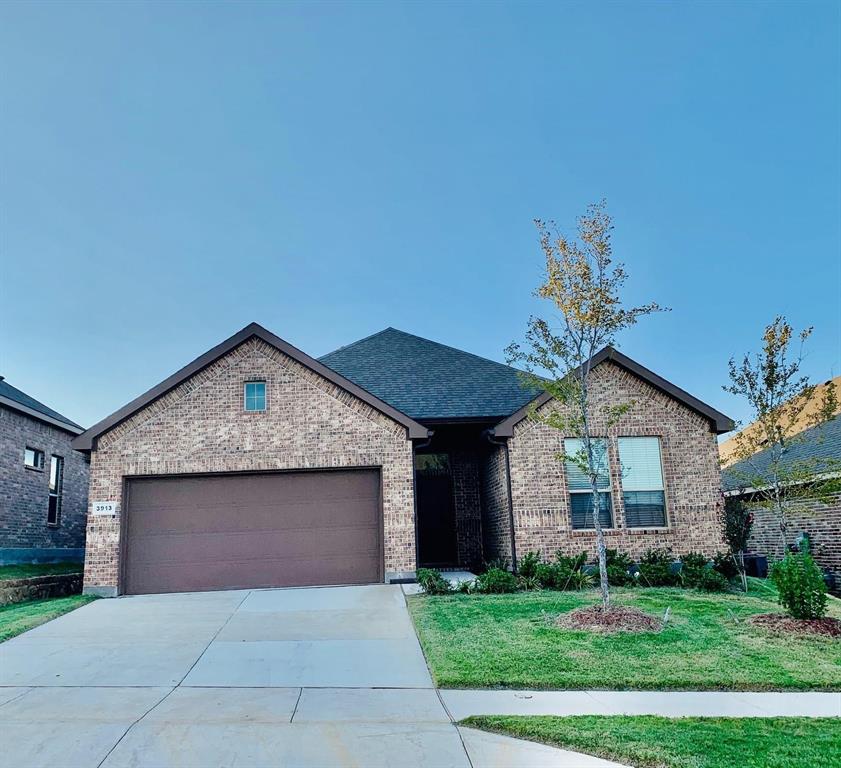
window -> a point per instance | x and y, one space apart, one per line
580 492
642 482
255 395
33 458
56 478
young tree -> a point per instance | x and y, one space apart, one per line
782 402
584 285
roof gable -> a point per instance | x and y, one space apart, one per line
718 420
87 440
430 381
18 400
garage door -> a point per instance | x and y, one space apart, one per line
255 530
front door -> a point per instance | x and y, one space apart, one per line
436 511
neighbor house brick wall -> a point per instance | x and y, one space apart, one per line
201 426
496 520
690 466
464 465
24 492
822 521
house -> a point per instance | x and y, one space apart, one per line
43 482
258 465
818 448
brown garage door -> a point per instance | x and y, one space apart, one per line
256 530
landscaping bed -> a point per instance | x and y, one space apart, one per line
692 742
21 617
707 643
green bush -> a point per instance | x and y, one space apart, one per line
528 583
527 567
496 581
619 569
692 569
799 581
433 582
724 563
571 562
712 581
546 575
655 569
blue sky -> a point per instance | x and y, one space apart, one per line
171 172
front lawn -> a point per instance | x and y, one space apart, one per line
28 570
481 641
19 617
696 742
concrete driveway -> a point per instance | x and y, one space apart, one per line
331 676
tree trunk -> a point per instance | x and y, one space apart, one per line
601 548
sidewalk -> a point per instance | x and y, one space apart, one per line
462 703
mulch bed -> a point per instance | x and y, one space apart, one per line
777 622
617 618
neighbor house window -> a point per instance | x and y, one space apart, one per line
642 482
578 483
56 478
255 395
33 458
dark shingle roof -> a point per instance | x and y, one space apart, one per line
21 398
428 380
818 449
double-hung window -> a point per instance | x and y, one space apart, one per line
255 395
56 478
578 483
33 458
642 482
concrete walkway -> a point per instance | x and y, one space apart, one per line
462 703
294 678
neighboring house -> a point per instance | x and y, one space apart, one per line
819 447
43 482
257 465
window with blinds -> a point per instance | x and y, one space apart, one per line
642 482
578 483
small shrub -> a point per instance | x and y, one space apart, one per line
498 563
528 583
693 568
527 567
466 587
619 569
800 584
711 581
724 564
496 581
655 569
546 574
432 582
578 580
571 562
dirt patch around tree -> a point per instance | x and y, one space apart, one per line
617 618
778 622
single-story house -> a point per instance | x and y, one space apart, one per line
815 450
257 465
43 482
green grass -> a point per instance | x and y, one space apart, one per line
696 742
482 641
27 570
20 617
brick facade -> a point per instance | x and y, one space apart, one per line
24 492
468 507
200 427
821 521
496 522
691 474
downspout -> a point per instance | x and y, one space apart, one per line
489 435
415 446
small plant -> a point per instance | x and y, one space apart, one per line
499 563
619 569
711 580
693 567
529 583
546 574
800 584
527 567
578 580
656 570
466 587
726 564
571 562
432 582
496 581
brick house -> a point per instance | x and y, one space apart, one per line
818 518
257 465
43 482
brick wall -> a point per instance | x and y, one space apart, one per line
24 492
468 509
691 474
821 521
201 426
496 523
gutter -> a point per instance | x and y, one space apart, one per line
490 437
